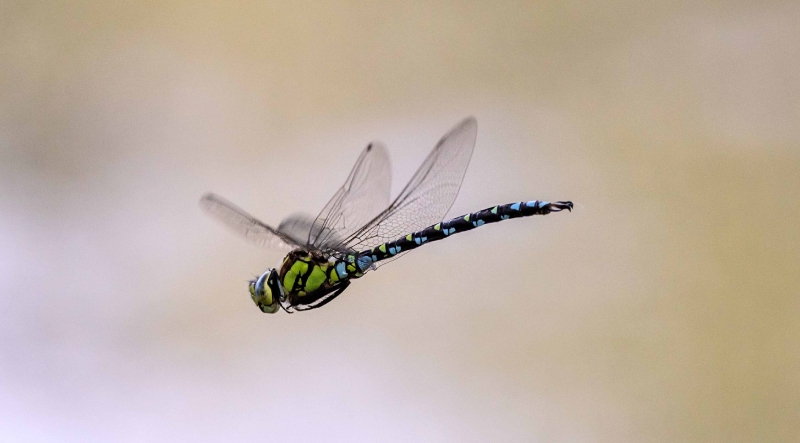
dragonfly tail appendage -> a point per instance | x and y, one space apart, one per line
461 224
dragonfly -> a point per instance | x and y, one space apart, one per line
361 228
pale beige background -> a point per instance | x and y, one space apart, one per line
665 308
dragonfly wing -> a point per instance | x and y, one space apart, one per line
247 225
363 195
428 195
299 226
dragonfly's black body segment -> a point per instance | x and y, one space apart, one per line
461 224
304 291
360 228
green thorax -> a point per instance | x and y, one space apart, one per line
304 273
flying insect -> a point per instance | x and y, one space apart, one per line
360 229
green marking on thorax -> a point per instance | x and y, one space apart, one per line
316 279
298 268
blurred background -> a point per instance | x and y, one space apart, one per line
664 308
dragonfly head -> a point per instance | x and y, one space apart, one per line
266 291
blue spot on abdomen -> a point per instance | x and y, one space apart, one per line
364 262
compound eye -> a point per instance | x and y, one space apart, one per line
252 289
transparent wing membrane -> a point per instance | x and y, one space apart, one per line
247 225
297 226
428 195
365 193
359 215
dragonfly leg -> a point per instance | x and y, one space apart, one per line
323 298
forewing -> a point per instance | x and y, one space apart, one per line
364 195
428 195
297 226
247 225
